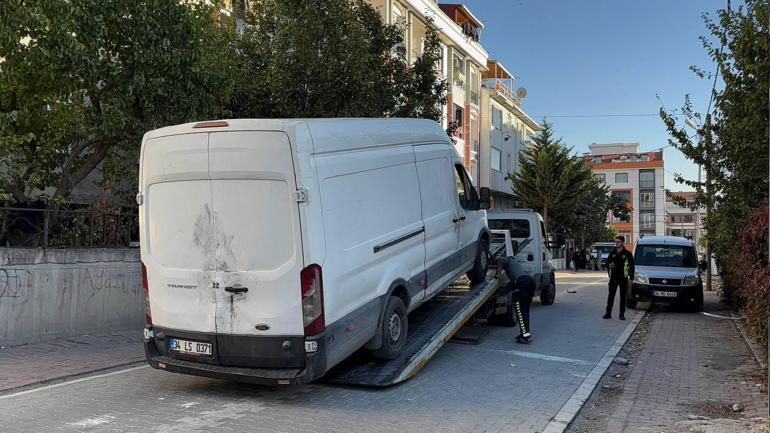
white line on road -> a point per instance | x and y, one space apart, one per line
541 356
71 382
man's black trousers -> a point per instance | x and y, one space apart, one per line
616 283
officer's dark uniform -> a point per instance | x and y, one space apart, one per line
620 268
522 288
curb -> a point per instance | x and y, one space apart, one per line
567 413
66 377
754 347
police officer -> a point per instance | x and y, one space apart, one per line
522 287
620 268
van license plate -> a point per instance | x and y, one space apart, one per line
665 294
189 347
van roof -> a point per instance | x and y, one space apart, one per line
332 134
665 240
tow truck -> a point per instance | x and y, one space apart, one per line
436 322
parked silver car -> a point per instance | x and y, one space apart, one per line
668 271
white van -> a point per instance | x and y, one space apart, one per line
527 229
273 249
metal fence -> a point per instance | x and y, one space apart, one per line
58 228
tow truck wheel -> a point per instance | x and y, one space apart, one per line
548 295
394 329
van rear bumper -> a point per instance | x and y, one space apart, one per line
314 366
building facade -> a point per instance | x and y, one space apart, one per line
681 220
463 61
637 176
505 131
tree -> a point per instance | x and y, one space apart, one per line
549 179
332 58
563 189
732 147
82 80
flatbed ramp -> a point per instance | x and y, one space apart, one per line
430 327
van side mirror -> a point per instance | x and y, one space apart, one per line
484 195
703 265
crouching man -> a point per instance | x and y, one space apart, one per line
522 287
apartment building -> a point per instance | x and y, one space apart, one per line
681 220
638 176
463 62
505 131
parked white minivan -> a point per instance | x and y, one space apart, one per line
274 249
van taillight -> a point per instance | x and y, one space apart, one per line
312 300
146 287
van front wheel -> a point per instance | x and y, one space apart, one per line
395 326
479 271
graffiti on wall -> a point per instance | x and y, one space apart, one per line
19 283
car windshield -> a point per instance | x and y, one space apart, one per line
519 228
604 249
665 255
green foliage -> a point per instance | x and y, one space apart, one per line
563 189
332 58
732 145
82 80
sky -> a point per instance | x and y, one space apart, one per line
602 57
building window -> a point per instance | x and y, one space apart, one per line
497 118
458 70
646 179
601 177
647 200
495 162
474 84
621 177
647 220
623 194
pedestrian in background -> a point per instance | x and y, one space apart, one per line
620 267
568 257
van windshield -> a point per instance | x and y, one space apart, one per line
665 255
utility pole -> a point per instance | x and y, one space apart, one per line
706 151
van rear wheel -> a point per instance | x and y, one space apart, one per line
395 326
479 271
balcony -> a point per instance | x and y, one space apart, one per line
501 88
646 184
646 205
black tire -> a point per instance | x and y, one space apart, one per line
631 303
481 264
395 326
697 305
507 319
548 294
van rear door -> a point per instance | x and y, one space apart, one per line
257 242
176 229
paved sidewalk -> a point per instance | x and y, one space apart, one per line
35 363
682 365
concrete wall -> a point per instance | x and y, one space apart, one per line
54 293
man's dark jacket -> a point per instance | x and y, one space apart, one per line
620 265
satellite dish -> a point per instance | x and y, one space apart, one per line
521 92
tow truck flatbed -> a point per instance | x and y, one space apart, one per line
430 327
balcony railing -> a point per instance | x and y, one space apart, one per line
648 184
647 205
501 88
